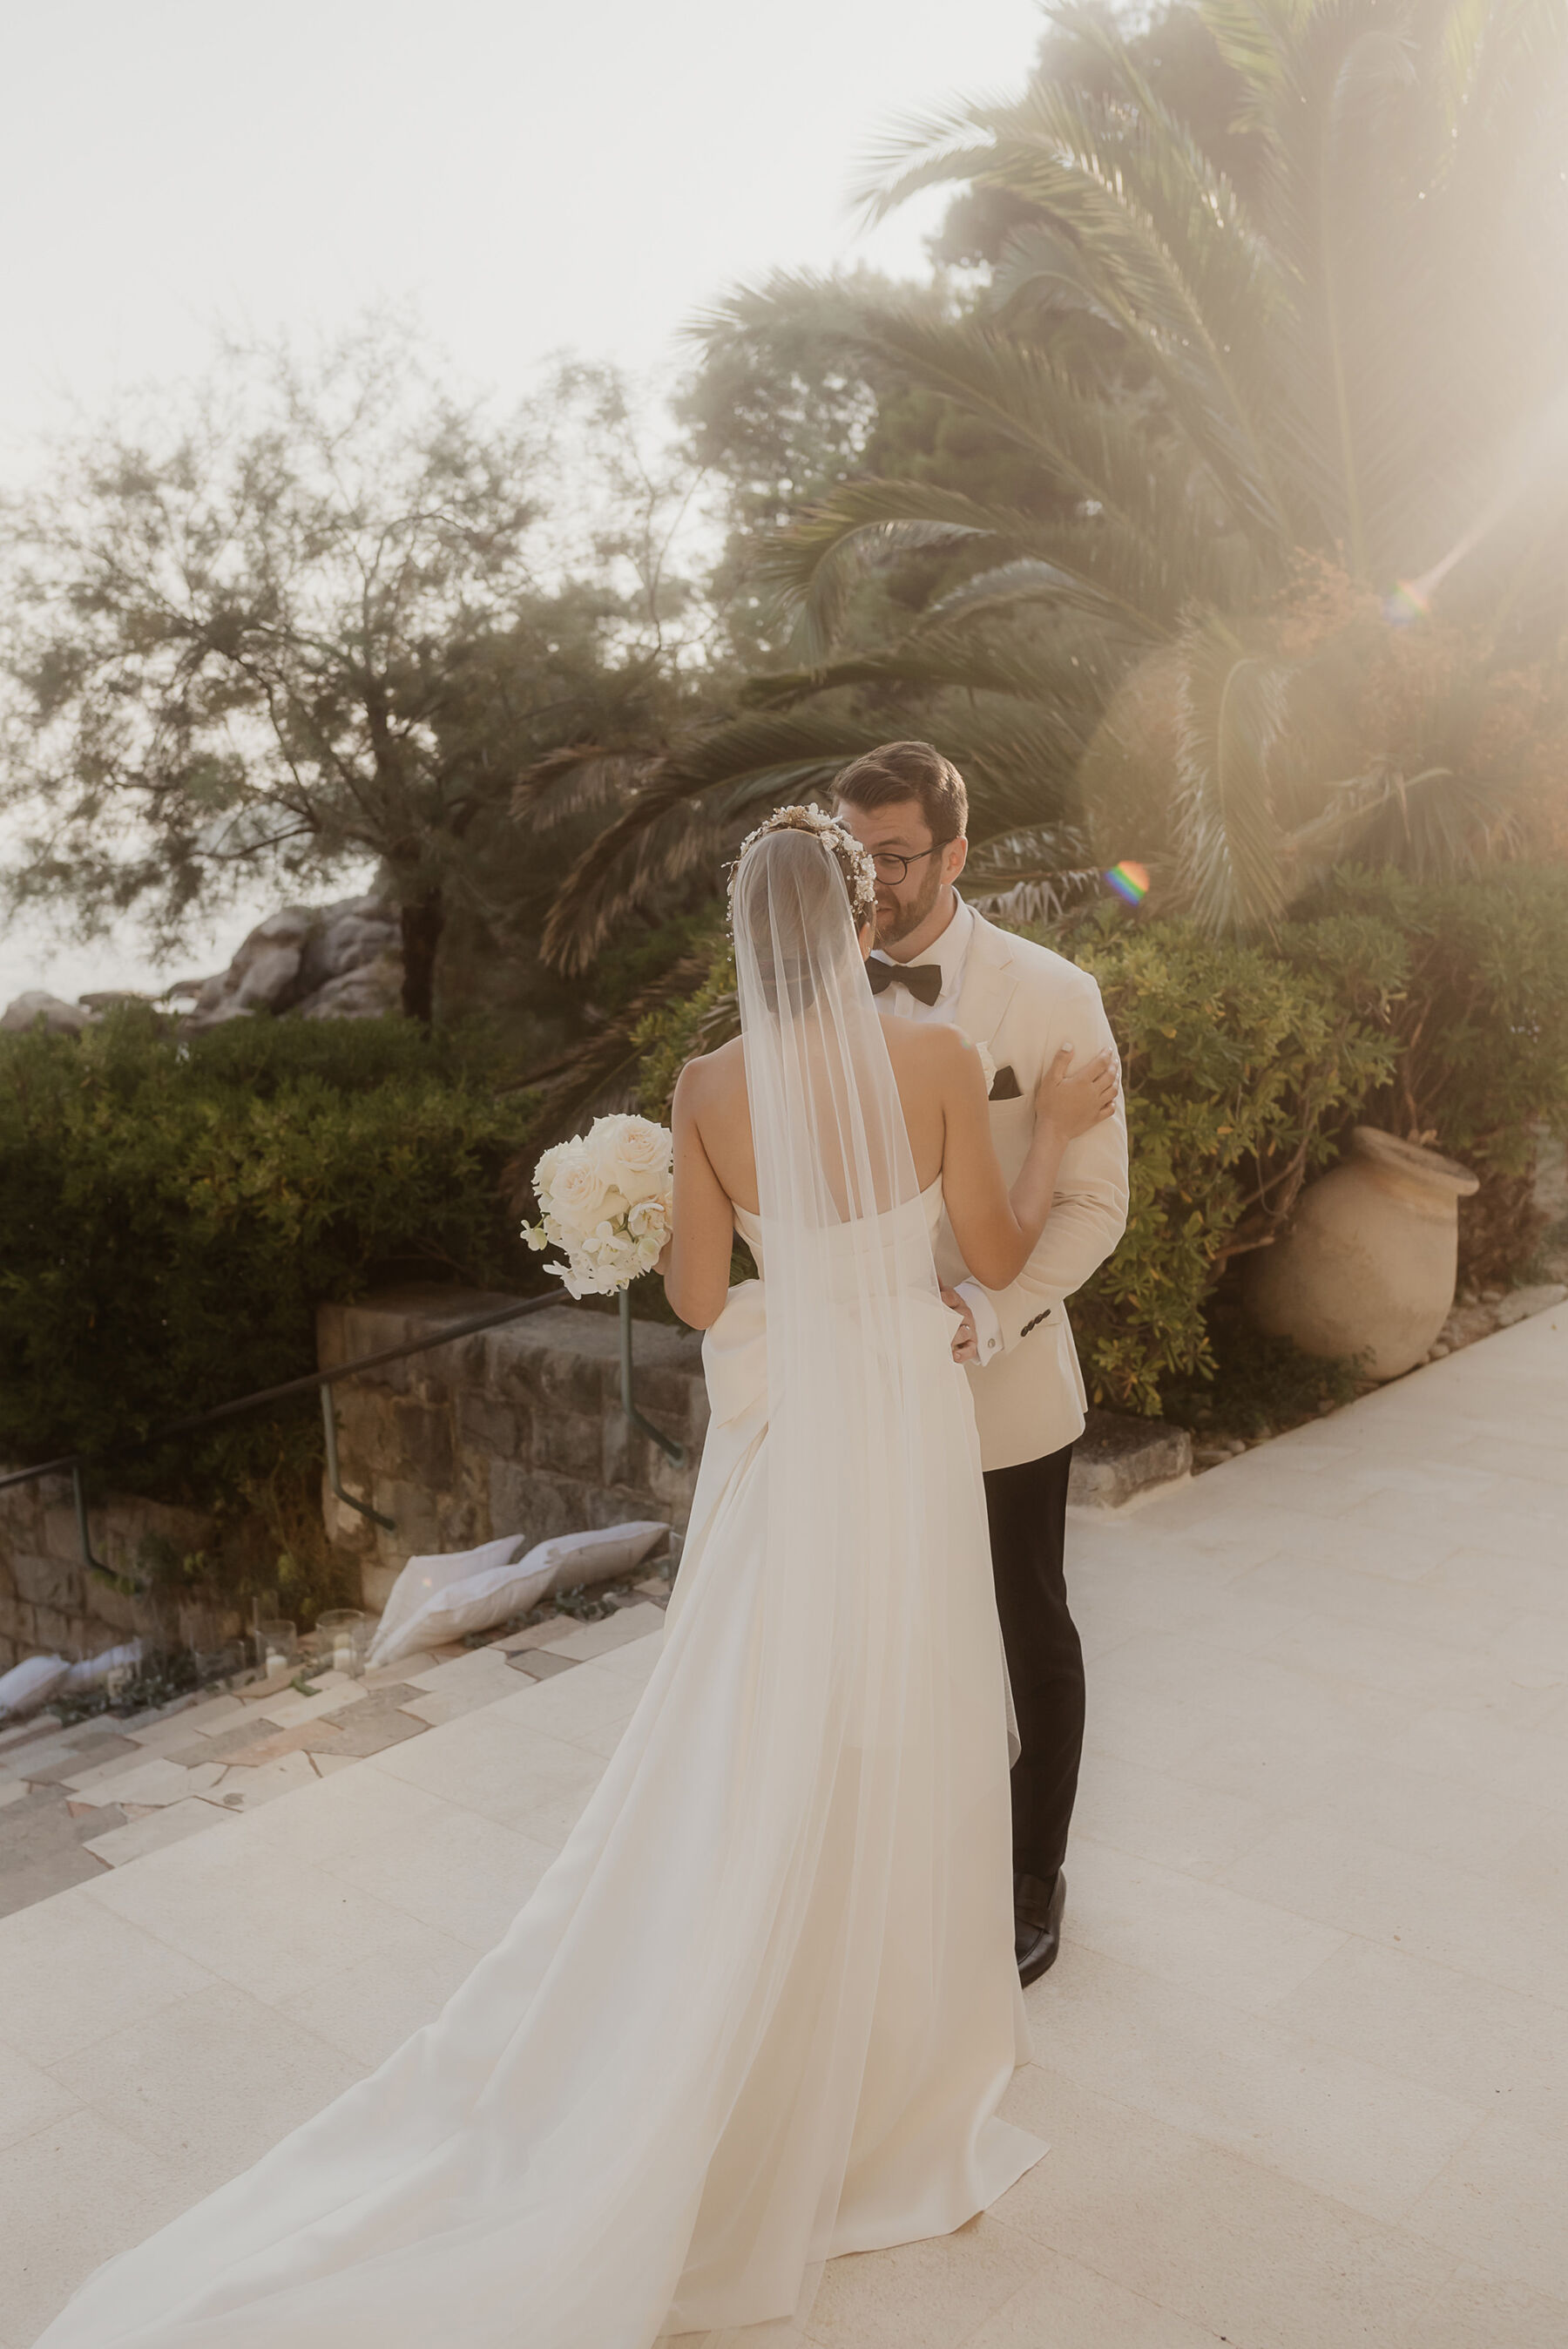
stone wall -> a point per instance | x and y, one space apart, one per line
49 1602
521 1430
517 1431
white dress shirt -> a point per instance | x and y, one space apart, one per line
949 952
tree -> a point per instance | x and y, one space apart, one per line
1275 336
314 615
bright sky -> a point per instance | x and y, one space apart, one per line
532 178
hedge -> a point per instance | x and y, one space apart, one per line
1240 1071
172 1213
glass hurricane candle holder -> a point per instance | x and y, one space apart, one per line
277 1646
341 1639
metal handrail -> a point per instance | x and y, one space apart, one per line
335 1474
666 1443
71 1463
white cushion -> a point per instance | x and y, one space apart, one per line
95 1669
471 1590
424 1579
31 1683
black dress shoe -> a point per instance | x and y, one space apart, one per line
1036 1924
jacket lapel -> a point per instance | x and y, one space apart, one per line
989 983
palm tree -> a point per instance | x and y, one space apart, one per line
1290 454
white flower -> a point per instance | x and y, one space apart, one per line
632 1153
604 1200
575 1186
649 1219
987 1068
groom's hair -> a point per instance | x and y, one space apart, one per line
909 770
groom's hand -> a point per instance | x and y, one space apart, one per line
966 1341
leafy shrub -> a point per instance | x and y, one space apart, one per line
1468 981
1252 1383
1436 1010
172 1213
689 1024
1239 1071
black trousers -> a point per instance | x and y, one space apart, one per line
1028 1509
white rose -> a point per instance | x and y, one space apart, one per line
632 1154
576 1186
649 1219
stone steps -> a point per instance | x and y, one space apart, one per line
74 1802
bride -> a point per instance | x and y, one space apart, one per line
762 2009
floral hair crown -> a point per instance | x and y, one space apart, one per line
860 874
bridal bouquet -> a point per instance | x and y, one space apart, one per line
604 1197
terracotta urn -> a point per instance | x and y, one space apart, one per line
1369 1260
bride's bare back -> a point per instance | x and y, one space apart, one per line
941 1092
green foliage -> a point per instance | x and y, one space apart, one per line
1470 980
628 967
1439 1011
1191 457
172 1213
689 1024
1256 1385
1238 1070
301 615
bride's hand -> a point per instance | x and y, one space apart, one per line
1071 1104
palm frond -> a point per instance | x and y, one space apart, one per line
1139 224
815 564
1004 587
933 659
956 142
1037 874
1437 824
660 838
869 524
597 1076
1231 713
689 813
1155 236
581 780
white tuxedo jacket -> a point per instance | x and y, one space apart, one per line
1022 1003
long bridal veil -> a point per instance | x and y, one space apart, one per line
760 2009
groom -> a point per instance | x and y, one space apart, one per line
936 958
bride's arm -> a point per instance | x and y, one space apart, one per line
996 1229
695 1261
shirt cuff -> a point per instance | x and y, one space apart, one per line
987 1323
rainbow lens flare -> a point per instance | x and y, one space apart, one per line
1131 882
1403 604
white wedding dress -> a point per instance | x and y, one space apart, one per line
763 2007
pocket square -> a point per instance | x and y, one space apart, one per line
1004 1085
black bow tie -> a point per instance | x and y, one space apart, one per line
924 979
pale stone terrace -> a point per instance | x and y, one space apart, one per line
1303 2062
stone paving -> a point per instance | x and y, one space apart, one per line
1304 2060
75 1801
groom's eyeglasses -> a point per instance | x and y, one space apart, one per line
894 868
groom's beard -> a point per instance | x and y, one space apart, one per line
895 921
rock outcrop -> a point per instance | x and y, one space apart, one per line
342 961
38 1008
325 962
